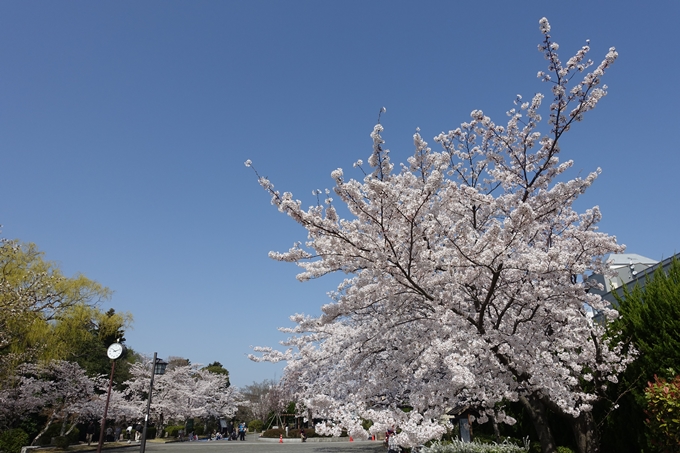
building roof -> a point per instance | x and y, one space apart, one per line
624 259
630 269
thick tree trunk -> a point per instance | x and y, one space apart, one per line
539 417
496 431
161 425
585 433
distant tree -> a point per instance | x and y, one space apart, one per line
175 361
217 368
649 322
184 391
256 395
265 399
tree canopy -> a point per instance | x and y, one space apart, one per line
217 368
34 296
467 276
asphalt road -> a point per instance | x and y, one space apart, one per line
255 446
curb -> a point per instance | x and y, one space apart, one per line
294 440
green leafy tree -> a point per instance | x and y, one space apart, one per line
33 294
83 333
218 368
650 322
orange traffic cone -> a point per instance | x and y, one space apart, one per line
373 437
350 439
280 438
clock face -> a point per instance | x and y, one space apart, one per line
114 351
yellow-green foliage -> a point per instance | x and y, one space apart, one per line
34 295
82 324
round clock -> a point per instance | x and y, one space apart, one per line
114 351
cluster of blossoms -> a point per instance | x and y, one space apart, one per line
181 393
59 390
63 393
468 277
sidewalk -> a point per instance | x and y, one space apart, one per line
83 447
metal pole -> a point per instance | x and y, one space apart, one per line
106 410
142 446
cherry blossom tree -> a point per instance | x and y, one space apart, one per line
184 391
467 277
59 390
261 399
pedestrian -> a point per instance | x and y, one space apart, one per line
109 434
303 435
242 431
89 433
388 433
392 445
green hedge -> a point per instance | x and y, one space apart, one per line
12 440
255 426
309 432
274 433
61 442
173 430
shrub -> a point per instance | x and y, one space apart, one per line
173 431
564 450
12 440
663 413
274 433
74 436
458 446
61 442
255 426
309 432
150 432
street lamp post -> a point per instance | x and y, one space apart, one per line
113 352
158 367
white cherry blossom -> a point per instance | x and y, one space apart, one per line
467 278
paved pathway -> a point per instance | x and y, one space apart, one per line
254 446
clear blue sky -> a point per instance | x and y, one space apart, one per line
124 127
